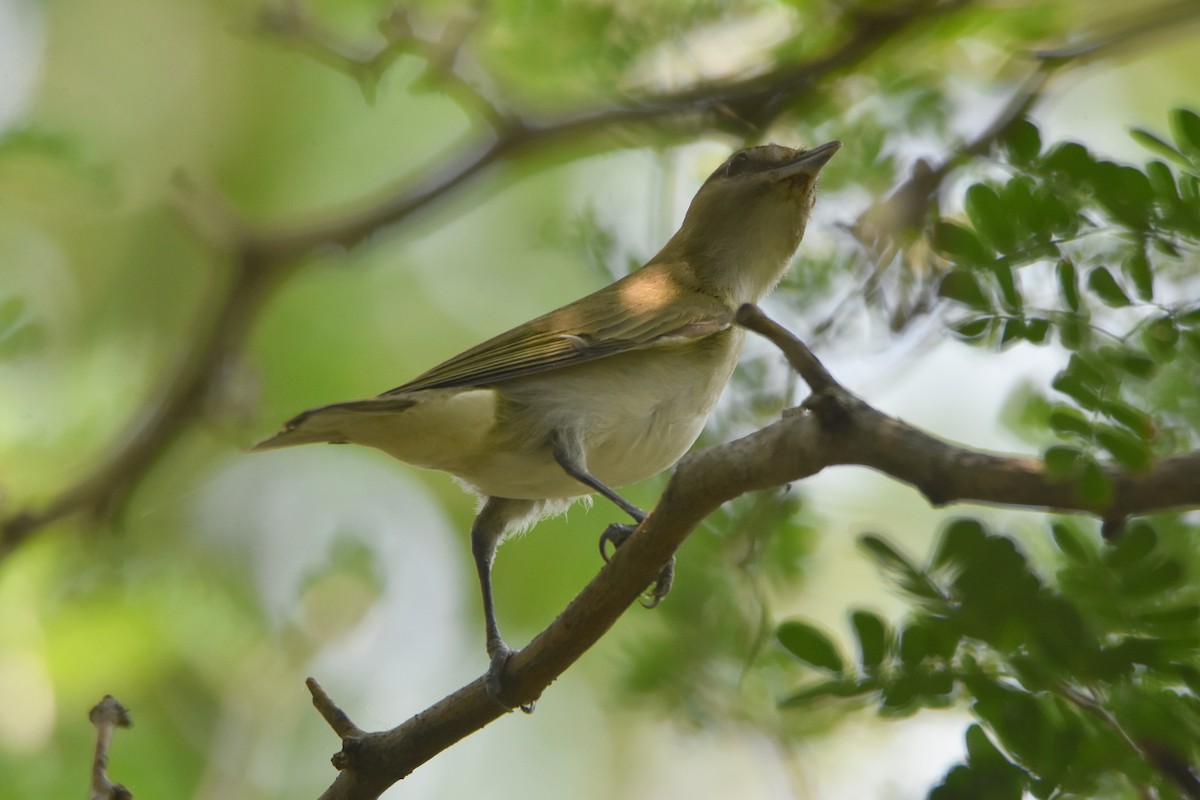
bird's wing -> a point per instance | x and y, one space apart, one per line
656 306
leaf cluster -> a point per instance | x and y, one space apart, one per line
1073 683
1100 257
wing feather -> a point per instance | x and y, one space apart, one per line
657 306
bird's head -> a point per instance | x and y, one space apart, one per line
746 221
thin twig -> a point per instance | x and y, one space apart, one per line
339 720
807 365
107 716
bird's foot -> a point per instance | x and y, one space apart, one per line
616 535
661 586
500 655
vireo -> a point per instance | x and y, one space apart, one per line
608 390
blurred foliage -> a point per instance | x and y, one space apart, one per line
1101 257
1080 684
204 600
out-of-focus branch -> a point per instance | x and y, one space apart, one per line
1147 21
832 428
259 259
366 63
107 716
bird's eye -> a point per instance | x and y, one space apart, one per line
736 163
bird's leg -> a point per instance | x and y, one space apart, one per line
569 453
486 532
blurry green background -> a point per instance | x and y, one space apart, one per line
227 578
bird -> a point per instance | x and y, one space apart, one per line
603 392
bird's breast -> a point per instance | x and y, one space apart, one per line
636 413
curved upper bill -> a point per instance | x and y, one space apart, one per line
810 161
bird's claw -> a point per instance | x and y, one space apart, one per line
491 681
661 586
616 535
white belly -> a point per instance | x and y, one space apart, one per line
636 419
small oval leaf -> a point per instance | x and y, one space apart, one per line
810 645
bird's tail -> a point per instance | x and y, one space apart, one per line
330 424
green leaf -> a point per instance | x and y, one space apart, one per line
1051 211
1163 181
1072 331
1068 284
1089 369
1105 286
899 696
895 565
1125 192
1136 420
980 750
1036 330
959 540
1138 542
823 689
873 638
1185 128
1013 331
1137 269
1152 577
988 775
1157 145
1190 318
1160 338
962 285
1007 281
1134 362
916 644
1065 420
1071 160
1072 543
973 328
960 245
1023 141
1073 386
810 645
1126 448
989 217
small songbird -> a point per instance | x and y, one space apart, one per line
603 392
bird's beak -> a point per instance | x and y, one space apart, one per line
809 162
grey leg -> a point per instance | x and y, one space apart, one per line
487 532
568 452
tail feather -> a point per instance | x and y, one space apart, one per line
327 423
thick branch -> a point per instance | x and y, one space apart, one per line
832 428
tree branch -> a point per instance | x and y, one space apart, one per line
832 427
